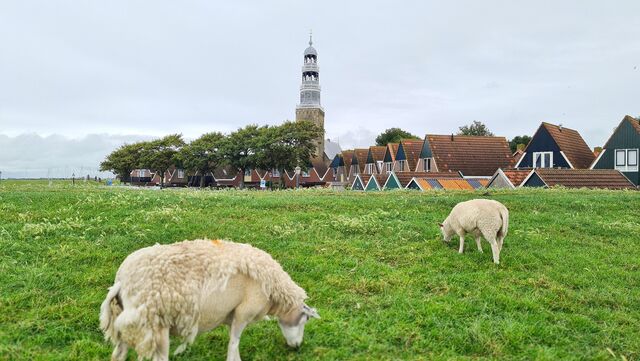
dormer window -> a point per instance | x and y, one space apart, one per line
369 168
543 159
354 168
426 164
403 165
387 167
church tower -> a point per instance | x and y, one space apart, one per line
309 107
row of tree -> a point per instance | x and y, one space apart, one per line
279 147
477 128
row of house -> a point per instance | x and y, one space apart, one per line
556 155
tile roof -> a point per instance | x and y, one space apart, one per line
392 149
423 183
360 156
516 176
405 177
472 155
377 153
347 158
365 179
587 178
455 184
412 149
572 144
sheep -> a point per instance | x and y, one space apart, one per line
190 287
480 217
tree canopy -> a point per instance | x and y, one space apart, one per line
202 155
394 135
519 139
476 128
160 154
123 160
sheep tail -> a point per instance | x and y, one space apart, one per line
504 214
109 311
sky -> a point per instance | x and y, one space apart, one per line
79 78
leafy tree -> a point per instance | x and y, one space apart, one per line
160 154
394 135
289 145
242 148
202 155
520 139
475 128
123 160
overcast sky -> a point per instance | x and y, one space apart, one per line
77 78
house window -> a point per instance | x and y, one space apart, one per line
275 173
426 164
543 159
380 165
387 167
354 168
402 165
247 172
180 173
627 160
305 173
367 168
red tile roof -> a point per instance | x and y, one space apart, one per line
587 178
377 152
472 155
360 156
405 177
347 157
516 176
412 149
572 145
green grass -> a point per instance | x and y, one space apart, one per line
386 286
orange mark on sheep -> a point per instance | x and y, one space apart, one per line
216 242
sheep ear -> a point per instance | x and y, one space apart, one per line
311 312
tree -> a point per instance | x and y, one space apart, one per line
202 155
520 139
289 145
394 135
242 148
475 128
123 160
160 154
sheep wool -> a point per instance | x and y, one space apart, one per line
162 287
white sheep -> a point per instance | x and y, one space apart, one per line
480 217
190 287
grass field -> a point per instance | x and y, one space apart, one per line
386 286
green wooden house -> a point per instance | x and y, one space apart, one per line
621 152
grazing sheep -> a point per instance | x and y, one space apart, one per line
480 217
190 287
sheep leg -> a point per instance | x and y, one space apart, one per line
500 240
461 249
233 352
478 239
162 346
120 352
495 249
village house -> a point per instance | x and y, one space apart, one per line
622 150
577 178
555 146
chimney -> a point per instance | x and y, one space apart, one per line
452 137
560 127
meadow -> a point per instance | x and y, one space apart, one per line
374 264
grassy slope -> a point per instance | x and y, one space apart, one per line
386 286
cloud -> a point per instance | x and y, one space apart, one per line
56 156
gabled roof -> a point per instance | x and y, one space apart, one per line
571 144
360 158
376 153
471 155
411 150
337 161
390 152
405 177
347 158
635 123
587 178
516 176
320 167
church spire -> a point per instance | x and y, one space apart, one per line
310 88
310 37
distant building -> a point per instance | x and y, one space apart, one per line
310 107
